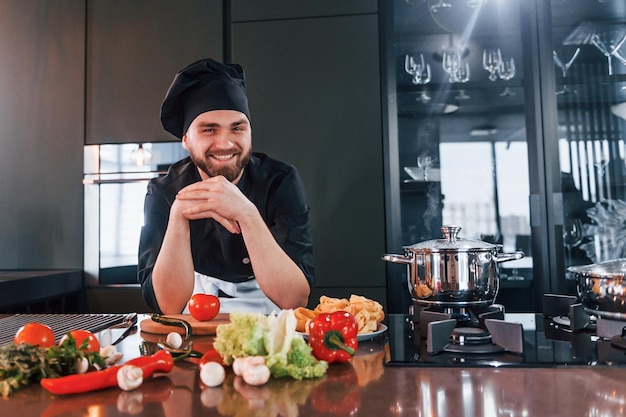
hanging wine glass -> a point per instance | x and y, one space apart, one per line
506 72
463 73
425 162
573 235
565 66
424 78
491 62
440 5
420 70
609 43
410 66
451 62
462 76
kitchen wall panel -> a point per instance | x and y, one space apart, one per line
254 10
41 114
134 48
314 89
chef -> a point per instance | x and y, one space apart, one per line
225 220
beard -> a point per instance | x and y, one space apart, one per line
230 171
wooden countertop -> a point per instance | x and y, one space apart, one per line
363 387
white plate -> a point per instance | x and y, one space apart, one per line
361 337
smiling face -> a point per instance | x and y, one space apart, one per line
219 142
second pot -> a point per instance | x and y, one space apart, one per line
602 288
453 272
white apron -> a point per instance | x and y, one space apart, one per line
247 296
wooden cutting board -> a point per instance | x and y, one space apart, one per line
197 327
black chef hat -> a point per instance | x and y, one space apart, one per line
203 86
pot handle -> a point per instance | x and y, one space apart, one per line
399 259
505 257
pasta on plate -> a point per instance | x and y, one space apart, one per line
368 313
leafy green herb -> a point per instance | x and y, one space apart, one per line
23 364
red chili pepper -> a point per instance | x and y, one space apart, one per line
333 336
161 361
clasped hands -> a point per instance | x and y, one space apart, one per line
214 198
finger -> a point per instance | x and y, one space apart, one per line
201 186
193 195
200 190
230 225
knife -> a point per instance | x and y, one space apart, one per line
131 321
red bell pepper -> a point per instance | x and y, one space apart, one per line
161 361
333 336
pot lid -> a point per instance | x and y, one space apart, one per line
451 242
608 269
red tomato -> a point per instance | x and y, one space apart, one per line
204 307
93 345
36 334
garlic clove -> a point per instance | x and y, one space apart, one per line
256 375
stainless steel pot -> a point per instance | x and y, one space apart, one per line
453 272
602 289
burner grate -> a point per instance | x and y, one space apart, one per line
60 323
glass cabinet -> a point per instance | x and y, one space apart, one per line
590 57
505 117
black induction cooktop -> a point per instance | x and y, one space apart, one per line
538 341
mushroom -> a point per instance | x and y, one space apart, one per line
174 340
129 377
82 365
110 355
212 374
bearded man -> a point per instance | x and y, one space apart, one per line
225 220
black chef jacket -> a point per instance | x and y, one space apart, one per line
276 190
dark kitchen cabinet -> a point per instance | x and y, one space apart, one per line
314 92
519 107
41 139
134 48
256 10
